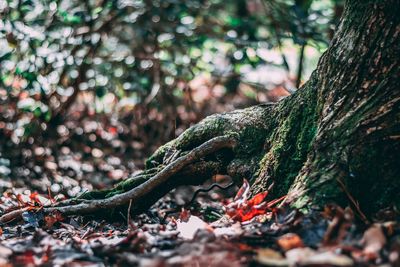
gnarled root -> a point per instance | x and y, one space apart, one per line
137 193
142 187
229 143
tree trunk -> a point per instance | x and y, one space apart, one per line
337 139
356 148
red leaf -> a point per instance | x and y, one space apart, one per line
257 199
242 209
243 191
34 197
27 258
184 215
113 130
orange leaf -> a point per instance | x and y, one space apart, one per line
290 241
242 209
257 199
34 197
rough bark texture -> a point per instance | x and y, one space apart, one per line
338 135
357 142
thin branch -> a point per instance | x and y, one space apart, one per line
13 215
353 201
300 66
129 213
205 190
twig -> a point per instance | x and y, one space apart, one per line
353 201
13 215
129 213
300 66
204 190
201 190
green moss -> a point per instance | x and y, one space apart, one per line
157 157
210 127
251 140
289 141
121 187
126 185
302 203
98 194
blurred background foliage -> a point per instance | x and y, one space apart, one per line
89 88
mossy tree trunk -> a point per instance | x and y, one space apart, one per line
356 146
337 136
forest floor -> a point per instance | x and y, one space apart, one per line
220 227
217 229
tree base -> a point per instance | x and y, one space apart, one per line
335 140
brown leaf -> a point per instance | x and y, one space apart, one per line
270 257
373 241
328 258
290 241
297 255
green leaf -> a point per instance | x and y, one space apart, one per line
37 112
47 116
30 76
97 10
234 22
68 18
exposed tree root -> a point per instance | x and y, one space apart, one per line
138 193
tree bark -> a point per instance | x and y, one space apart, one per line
337 139
357 144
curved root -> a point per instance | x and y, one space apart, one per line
144 188
191 158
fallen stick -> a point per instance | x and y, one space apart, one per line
13 215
